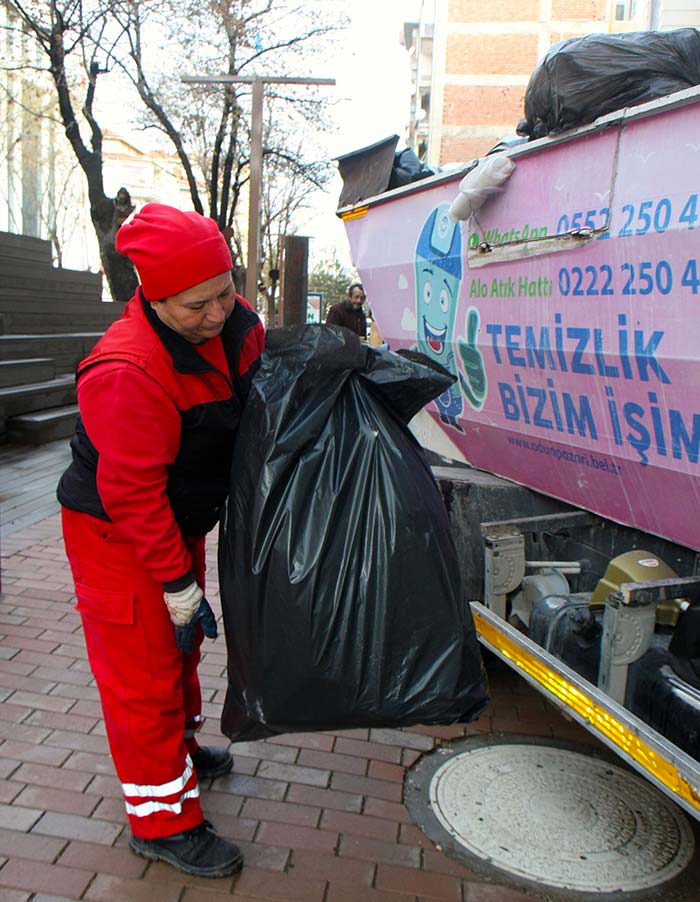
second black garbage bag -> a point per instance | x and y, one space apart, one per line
343 604
588 76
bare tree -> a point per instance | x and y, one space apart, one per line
209 125
154 42
69 34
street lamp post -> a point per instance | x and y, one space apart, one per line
258 83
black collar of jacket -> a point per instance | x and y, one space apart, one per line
185 357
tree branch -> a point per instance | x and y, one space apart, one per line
280 45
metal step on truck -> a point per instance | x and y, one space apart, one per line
567 308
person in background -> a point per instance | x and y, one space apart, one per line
349 313
160 397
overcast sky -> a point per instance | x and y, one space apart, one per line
372 72
373 97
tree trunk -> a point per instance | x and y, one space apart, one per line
107 215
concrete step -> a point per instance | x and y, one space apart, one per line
43 426
20 372
50 301
37 396
97 319
66 350
22 248
49 291
18 276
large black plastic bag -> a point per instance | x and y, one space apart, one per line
407 168
342 600
582 78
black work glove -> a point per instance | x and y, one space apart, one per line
187 607
184 635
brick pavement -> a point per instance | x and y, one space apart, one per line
319 816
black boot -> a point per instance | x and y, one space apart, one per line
211 762
199 851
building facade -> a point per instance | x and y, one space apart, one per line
27 133
472 60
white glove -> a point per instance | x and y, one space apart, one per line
182 605
487 178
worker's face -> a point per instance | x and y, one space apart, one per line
199 313
357 297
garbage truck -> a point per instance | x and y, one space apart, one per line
566 309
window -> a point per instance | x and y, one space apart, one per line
625 10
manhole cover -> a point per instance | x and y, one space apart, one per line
555 816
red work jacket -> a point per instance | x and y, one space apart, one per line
158 417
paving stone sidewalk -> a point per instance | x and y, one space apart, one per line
319 816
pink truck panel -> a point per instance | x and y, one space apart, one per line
577 359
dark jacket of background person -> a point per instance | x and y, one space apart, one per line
344 314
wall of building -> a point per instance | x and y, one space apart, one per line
483 54
681 13
24 136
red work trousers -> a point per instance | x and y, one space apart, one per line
149 691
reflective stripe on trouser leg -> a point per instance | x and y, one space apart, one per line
143 800
139 673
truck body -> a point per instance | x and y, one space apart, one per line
566 310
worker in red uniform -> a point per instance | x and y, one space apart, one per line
160 398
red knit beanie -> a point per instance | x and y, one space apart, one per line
172 250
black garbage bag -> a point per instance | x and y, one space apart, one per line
342 599
407 168
582 78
